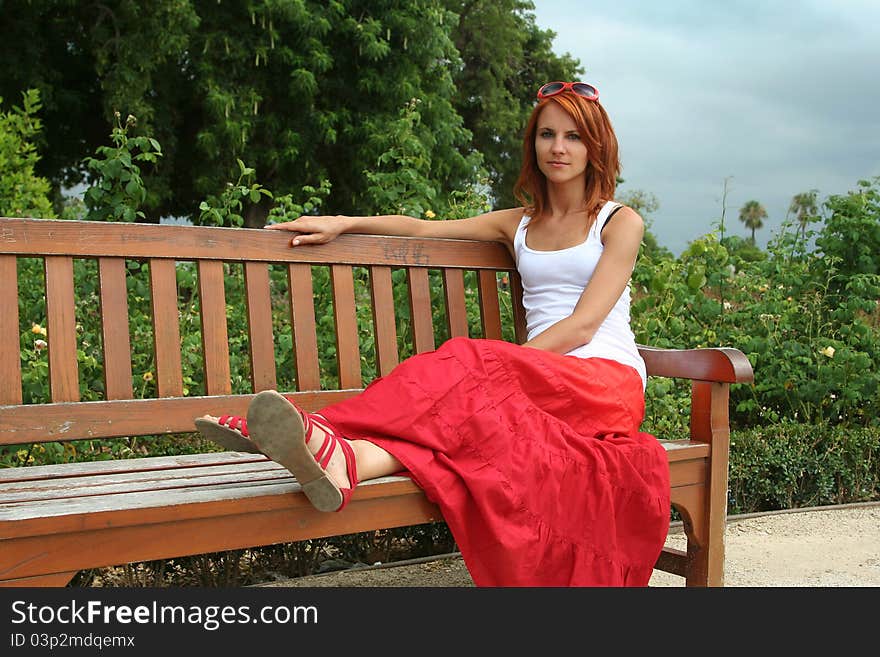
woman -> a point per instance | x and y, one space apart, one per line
532 451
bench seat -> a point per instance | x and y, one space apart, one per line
89 515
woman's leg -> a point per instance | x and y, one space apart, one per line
323 461
371 460
326 464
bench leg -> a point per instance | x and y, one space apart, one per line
54 579
705 543
707 561
710 424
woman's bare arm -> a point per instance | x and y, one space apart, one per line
496 226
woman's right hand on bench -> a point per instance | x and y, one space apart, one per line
314 230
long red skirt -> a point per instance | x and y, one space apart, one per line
535 459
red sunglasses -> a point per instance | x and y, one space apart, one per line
582 89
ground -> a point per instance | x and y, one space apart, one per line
819 547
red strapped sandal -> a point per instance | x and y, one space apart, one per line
281 430
229 431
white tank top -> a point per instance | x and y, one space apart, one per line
553 282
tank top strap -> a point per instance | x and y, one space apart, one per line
519 237
604 215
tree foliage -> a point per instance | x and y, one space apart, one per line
302 91
506 56
22 192
804 208
851 234
752 214
118 190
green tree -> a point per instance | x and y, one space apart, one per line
303 91
22 192
506 56
90 60
752 214
804 209
645 203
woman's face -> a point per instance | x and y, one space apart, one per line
561 154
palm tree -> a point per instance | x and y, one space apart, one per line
752 214
804 208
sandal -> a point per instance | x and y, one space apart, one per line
282 432
229 431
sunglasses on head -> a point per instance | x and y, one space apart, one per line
582 89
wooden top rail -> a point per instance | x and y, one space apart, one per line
41 237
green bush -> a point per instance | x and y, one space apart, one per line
22 192
808 320
784 466
118 190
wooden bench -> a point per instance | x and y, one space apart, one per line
58 519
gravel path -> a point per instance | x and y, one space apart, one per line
820 547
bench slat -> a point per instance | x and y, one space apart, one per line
10 476
166 328
115 328
10 339
348 353
61 320
420 309
215 338
142 241
43 510
519 314
305 340
138 483
382 302
490 311
259 309
456 308
40 423
84 513
131 483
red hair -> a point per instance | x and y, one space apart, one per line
603 163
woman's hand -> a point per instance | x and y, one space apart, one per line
313 230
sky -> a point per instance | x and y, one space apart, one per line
774 97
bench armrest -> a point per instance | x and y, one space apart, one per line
721 364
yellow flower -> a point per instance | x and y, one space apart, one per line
36 329
148 376
430 214
827 351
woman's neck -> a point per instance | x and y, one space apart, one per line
562 201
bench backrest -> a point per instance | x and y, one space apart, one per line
360 272
317 321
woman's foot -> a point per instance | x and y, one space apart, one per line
229 431
305 444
